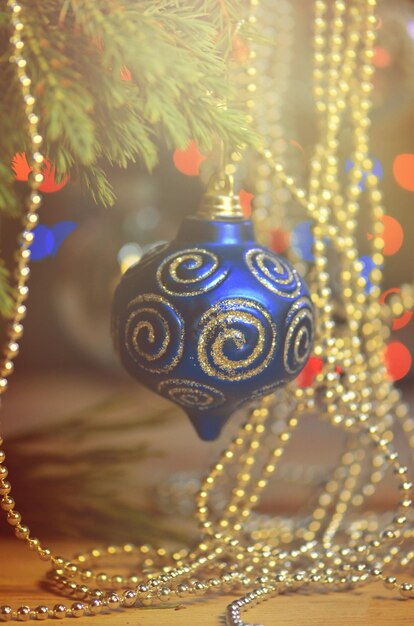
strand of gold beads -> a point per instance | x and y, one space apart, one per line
64 570
225 558
388 534
355 579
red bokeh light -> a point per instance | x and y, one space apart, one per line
393 235
279 240
125 73
398 360
246 202
22 170
382 57
403 170
312 368
188 161
240 51
20 166
401 320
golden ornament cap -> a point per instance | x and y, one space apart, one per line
219 201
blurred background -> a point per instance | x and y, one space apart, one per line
69 391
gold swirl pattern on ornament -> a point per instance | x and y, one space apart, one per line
274 273
299 335
237 339
191 394
154 333
190 272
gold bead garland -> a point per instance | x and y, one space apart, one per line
327 550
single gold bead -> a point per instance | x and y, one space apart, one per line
41 612
117 581
86 574
13 518
101 579
22 532
182 590
113 601
164 594
7 503
45 554
71 569
77 609
390 582
198 587
406 590
59 611
23 614
6 613
129 598
96 606
83 591
5 488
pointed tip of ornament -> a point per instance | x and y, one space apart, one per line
208 426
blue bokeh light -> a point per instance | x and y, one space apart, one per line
47 241
61 230
377 170
302 240
368 266
42 244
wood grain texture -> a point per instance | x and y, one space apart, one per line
22 577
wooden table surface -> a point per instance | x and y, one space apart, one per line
21 575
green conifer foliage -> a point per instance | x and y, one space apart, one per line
114 80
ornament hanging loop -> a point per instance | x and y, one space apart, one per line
219 201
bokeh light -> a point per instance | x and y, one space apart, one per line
42 244
47 240
279 240
125 73
377 170
393 235
312 368
61 231
401 320
22 170
382 57
239 50
20 166
246 198
49 184
398 360
367 266
302 240
188 161
147 218
410 28
128 255
403 170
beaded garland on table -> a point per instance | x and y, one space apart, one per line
337 546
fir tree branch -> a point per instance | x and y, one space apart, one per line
177 56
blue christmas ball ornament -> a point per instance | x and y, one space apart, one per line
213 320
